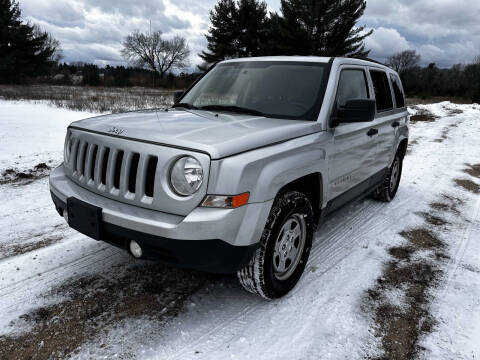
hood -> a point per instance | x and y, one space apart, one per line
218 134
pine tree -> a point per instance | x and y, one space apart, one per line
252 16
318 27
238 29
25 50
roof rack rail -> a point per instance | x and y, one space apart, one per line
367 59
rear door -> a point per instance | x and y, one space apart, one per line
386 118
353 152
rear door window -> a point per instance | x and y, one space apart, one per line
397 91
383 95
352 85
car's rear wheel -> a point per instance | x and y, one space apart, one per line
278 263
388 189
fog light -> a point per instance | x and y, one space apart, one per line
135 249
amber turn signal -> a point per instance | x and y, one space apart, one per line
226 202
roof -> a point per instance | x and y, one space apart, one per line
282 58
317 59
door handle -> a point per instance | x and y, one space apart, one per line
372 132
395 124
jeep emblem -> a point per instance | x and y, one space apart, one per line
116 131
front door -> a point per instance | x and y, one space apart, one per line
354 150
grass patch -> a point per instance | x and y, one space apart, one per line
423 116
432 219
92 99
473 170
468 185
401 252
24 176
94 304
400 327
422 238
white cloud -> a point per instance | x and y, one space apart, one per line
442 31
384 42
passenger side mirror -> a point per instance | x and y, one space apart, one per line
356 110
177 95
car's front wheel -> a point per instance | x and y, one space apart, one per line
278 263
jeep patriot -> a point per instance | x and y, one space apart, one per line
238 173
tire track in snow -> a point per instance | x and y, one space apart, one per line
26 293
341 243
332 246
472 224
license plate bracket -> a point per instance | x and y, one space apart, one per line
84 217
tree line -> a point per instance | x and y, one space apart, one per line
119 76
238 28
460 80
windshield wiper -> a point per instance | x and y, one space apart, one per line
186 106
232 108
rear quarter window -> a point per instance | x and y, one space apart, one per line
397 91
383 95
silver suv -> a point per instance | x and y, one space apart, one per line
235 177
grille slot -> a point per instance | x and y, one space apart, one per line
150 176
132 178
93 161
73 155
104 165
117 169
81 158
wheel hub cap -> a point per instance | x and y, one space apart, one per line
394 175
289 246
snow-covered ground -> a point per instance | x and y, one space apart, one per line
325 317
33 133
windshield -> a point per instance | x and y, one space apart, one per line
289 90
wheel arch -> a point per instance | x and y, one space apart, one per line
402 147
312 186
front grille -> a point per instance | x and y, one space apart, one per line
130 171
115 171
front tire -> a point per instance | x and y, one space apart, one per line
388 189
278 263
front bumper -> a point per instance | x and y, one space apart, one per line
217 240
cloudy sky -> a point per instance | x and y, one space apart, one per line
442 31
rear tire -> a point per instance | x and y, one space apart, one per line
388 189
278 263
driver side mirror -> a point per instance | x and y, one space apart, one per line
356 110
177 95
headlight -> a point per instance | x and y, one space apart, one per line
186 176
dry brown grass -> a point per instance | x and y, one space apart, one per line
415 268
433 219
468 185
473 170
24 176
94 304
93 99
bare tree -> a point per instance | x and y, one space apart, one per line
155 53
403 61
